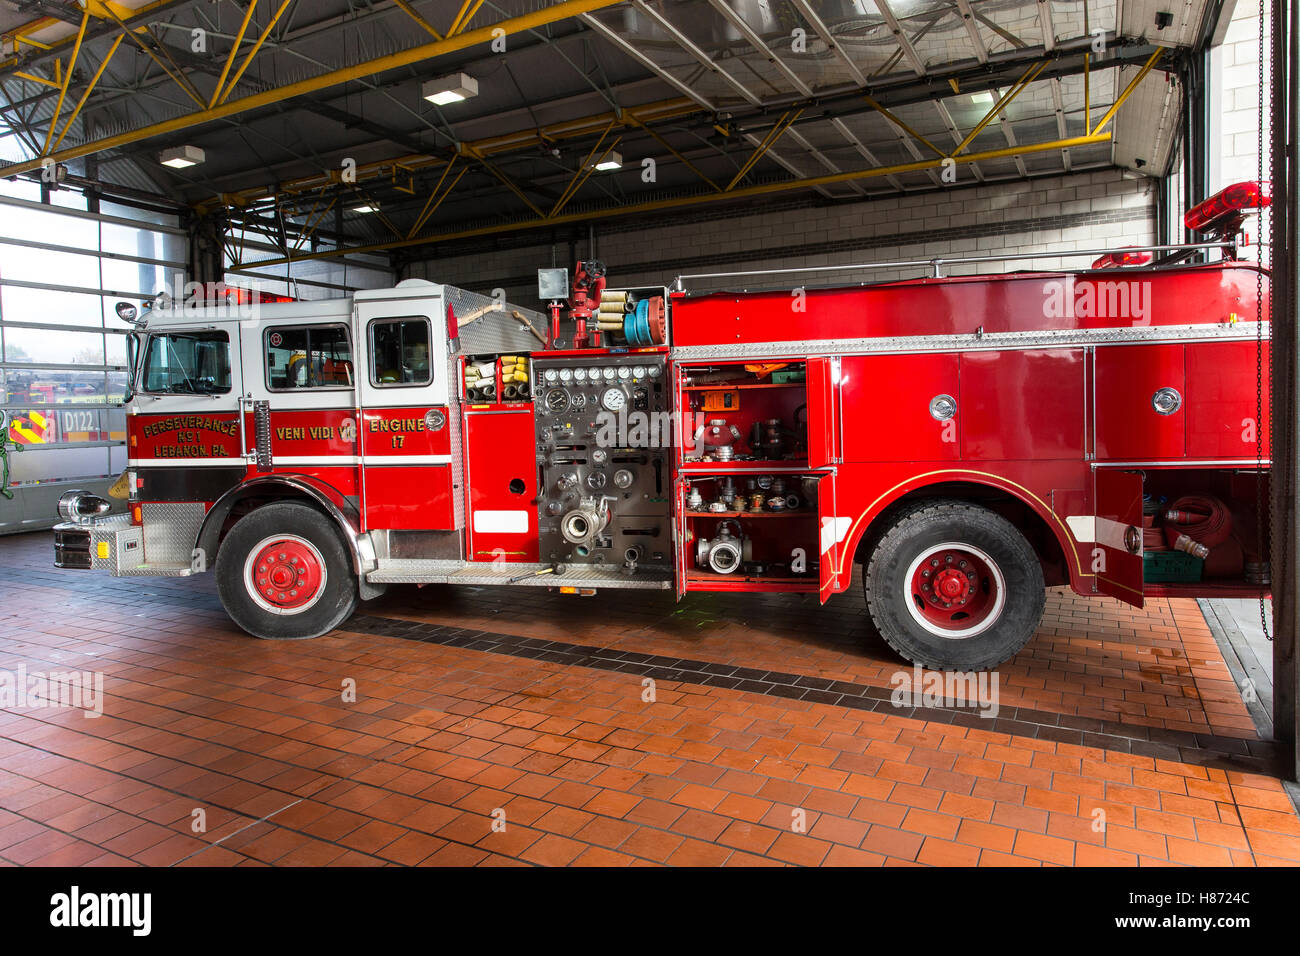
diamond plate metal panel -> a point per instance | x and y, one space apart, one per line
490 326
170 531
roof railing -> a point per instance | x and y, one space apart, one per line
936 264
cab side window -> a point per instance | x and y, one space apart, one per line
399 352
308 357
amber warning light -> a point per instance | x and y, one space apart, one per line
1223 212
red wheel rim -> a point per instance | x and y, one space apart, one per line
955 590
285 574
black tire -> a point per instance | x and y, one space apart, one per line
311 533
935 530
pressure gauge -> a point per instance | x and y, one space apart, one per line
613 399
557 400
624 372
655 371
552 375
566 375
578 401
638 371
579 374
607 373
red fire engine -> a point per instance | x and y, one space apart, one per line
967 440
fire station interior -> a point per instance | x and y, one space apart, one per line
649 433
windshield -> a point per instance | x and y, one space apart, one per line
191 363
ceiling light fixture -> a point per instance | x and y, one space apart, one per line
613 161
365 208
182 157
450 89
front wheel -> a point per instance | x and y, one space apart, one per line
284 574
954 586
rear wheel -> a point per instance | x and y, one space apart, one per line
283 573
954 586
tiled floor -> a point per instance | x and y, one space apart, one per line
495 727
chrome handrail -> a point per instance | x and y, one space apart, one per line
936 264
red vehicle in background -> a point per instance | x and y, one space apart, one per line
967 440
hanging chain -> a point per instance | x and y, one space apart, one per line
1263 516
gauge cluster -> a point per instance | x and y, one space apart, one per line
604 483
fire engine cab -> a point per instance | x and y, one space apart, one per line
967 440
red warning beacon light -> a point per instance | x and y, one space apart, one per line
1223 213
1114 260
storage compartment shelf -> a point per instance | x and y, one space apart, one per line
759 423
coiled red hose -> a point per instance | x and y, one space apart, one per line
1202 518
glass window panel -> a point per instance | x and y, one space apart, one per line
59 464
42 387
116 387
55 268
145 243
399 350
115 349
141 215
190 363
117 460
53 346
135 277
115 424
18 304
20 222
17 188
308 357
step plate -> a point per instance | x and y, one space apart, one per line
410 571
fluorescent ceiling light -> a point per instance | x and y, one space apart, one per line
450 89
365 208
985 99
182 157
613 161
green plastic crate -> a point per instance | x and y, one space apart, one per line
788 375
1171 567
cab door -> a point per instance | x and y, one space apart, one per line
408 447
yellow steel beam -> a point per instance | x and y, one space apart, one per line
430 206
591 168
234 52
1128 90
32 77
467 11
659 110
552 13
1003 102
90 88
1087 94
884 111
504 179
747 192
581 173
664 143
67 81
10 62
176 73
777 131
253 50
410 12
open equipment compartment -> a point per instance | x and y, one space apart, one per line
750 415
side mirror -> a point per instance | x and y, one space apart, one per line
127 312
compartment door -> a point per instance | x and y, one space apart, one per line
825 412
681 546
1139 394
833 532
1117 545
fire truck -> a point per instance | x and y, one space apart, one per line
965 440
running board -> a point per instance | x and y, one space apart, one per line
416 571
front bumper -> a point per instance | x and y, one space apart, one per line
110 544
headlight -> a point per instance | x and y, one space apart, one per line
82 505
